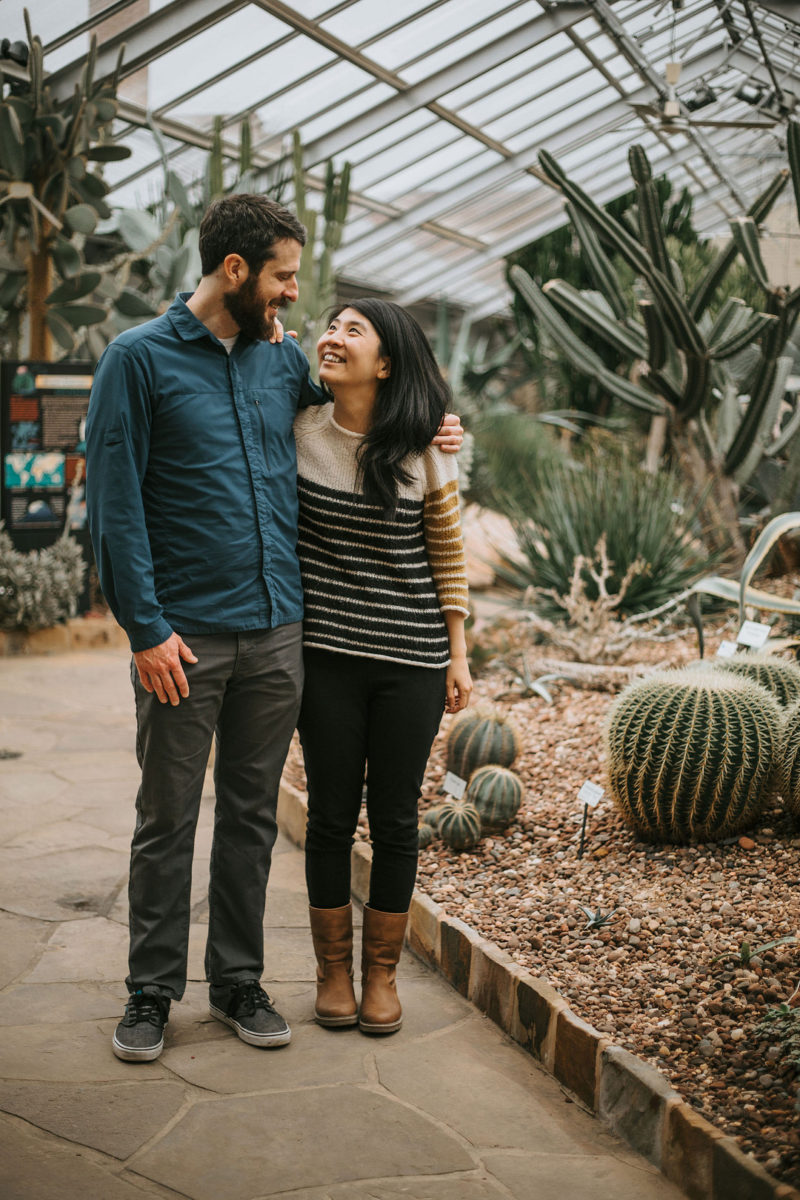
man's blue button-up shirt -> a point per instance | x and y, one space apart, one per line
191 479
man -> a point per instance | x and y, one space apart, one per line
191 496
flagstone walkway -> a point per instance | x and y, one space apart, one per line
447 1109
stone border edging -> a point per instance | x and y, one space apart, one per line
632 1098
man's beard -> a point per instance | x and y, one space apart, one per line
248 309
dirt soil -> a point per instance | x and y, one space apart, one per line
675 974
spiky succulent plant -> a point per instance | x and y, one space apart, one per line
789 777
692 755
780 676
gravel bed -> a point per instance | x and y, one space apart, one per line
666 976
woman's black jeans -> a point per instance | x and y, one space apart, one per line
365 713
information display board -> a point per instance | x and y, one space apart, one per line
43 409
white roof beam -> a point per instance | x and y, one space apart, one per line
486 181
147 39
426 93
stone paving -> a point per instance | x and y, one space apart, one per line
447 1109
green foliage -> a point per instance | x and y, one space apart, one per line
496 793
511 448
479 736
39 588
689 337
780 676
692 755
316 280
645 518
460 825
53 197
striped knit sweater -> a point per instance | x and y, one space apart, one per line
373 587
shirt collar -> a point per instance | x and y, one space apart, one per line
185 323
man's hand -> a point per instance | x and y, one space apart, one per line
160 669
450 435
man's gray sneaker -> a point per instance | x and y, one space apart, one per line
250 1012
139 1037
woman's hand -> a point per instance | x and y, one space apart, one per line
459 684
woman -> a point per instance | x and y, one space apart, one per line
385 591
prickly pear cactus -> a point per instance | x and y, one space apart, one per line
789 775
460 825
496 792
480 736
780 676
692 755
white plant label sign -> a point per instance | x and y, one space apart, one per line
591 794
726 649
752 634
454 785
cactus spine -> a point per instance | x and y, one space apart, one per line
692 755
780 676
789 782
496 793
478 737
460 825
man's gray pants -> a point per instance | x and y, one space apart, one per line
247 687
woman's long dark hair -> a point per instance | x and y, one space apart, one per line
409 406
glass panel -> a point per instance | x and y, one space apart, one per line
439 139
486 32
345 110
425 34
417 174
368 18
227 42
313 100
272 72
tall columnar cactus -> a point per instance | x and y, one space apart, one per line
316 279
51 198
780 676
789 775
692 755
684 361
479 736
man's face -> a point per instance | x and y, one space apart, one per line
255 303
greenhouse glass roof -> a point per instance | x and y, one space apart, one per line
441 107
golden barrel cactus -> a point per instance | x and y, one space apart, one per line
692 755
780 676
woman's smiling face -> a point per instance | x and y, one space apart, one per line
349 352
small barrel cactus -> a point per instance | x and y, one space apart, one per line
789 774
431 817
478 737
496 792
460 825
425 834
692 755
781 676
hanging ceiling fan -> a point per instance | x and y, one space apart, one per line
671 118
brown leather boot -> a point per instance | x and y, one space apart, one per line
332 933
380 952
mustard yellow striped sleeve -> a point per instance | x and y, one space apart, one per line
443 538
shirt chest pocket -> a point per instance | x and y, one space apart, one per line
273 412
